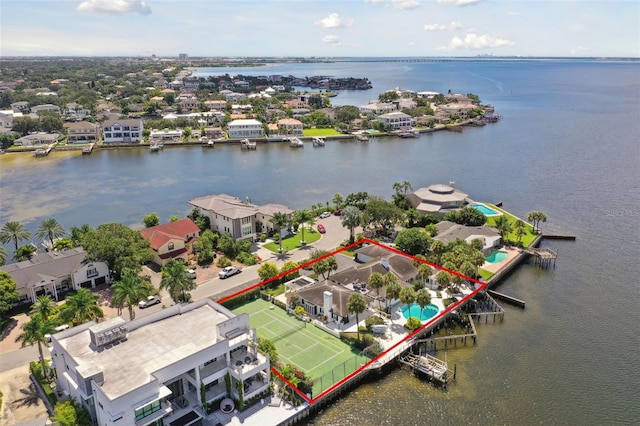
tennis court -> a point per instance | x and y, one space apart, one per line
301 344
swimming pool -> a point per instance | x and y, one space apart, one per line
414 311
497 256
485 210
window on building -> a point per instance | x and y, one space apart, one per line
170 246
147 410
92 272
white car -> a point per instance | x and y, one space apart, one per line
151 300
325 215
229 271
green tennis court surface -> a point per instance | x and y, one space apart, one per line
323 357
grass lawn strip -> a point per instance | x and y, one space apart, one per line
293 242
527 238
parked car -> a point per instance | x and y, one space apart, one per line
229 271
338 212
325 215
151 300
321 228
192 273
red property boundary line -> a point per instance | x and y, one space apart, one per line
449 308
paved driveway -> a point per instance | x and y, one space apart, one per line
20 400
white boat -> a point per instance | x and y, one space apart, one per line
318 141
362 137
155 147
247 144
295 143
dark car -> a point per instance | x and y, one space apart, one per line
338 212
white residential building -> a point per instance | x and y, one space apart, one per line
156 370
398 120
246 128
377 108
128 131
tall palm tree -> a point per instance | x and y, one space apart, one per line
81 307
303 217
129 291
35 331
425 271
407 296
357 305
3 255
50 228
13 231
44 306
351 217
176 281
24 252
280 220
423 298
376 282
519 229
503 226
392 285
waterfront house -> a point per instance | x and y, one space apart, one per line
449 232
55 272
290 126
437 199
39 138
165 135
377 108
37 109
460 110
172 240
162 368
83 132
265 215
397 120
6 118
214 132
119 131
246 128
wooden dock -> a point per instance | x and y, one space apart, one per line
428 366
86 150
559 237
505 297
43 152
544 257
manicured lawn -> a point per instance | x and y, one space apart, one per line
320 132
293 242
485 275
527 238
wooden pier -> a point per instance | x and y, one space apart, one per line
559 237
544 257
86 150
429 366
43 152
486 308
509 299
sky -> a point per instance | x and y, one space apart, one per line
214 28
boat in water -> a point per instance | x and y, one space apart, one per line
155 147
362 137
296 143
318 141
247 144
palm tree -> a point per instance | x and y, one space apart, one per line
443 279
407 296
376 282
13 231
303 216
503 226
129 291
44 306
81 307
50 228
535 218
519 230
351 217
392 285
423 298
280 220
425 271
356 304
24 252
3 255
176 281
338 200
35 331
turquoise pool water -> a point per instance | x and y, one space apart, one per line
497 256
485 210
414 311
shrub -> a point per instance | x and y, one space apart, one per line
263 238
373 320
223 262
205 257
413 323
247 259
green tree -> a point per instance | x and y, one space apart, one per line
392 286
407 296
520 230
503 225
78 233
535 218
413 241
423 298
303 217
34 332
267 270
186 133
290 265
280 221
65 414
266 346
443 278
177 282
347 113
431 229
388 96
228 246
425 271
376 282
357 305
8 292
174 218
383 214
3 255
50 229
130 290
400 197
63 244
152 219
81 307
44 306
13 231
350 218
119 246
24 252
325 266
338 200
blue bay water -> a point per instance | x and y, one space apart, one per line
568 145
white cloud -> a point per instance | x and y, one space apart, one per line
461 2
331 39
405 4
513 13
473 41
442 27
115 7
333 20
375 1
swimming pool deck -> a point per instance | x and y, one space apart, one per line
512 253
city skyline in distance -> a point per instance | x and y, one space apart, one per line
347 28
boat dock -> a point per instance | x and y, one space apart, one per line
544 257
559 237
87 150
43 152
429 366
509 299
